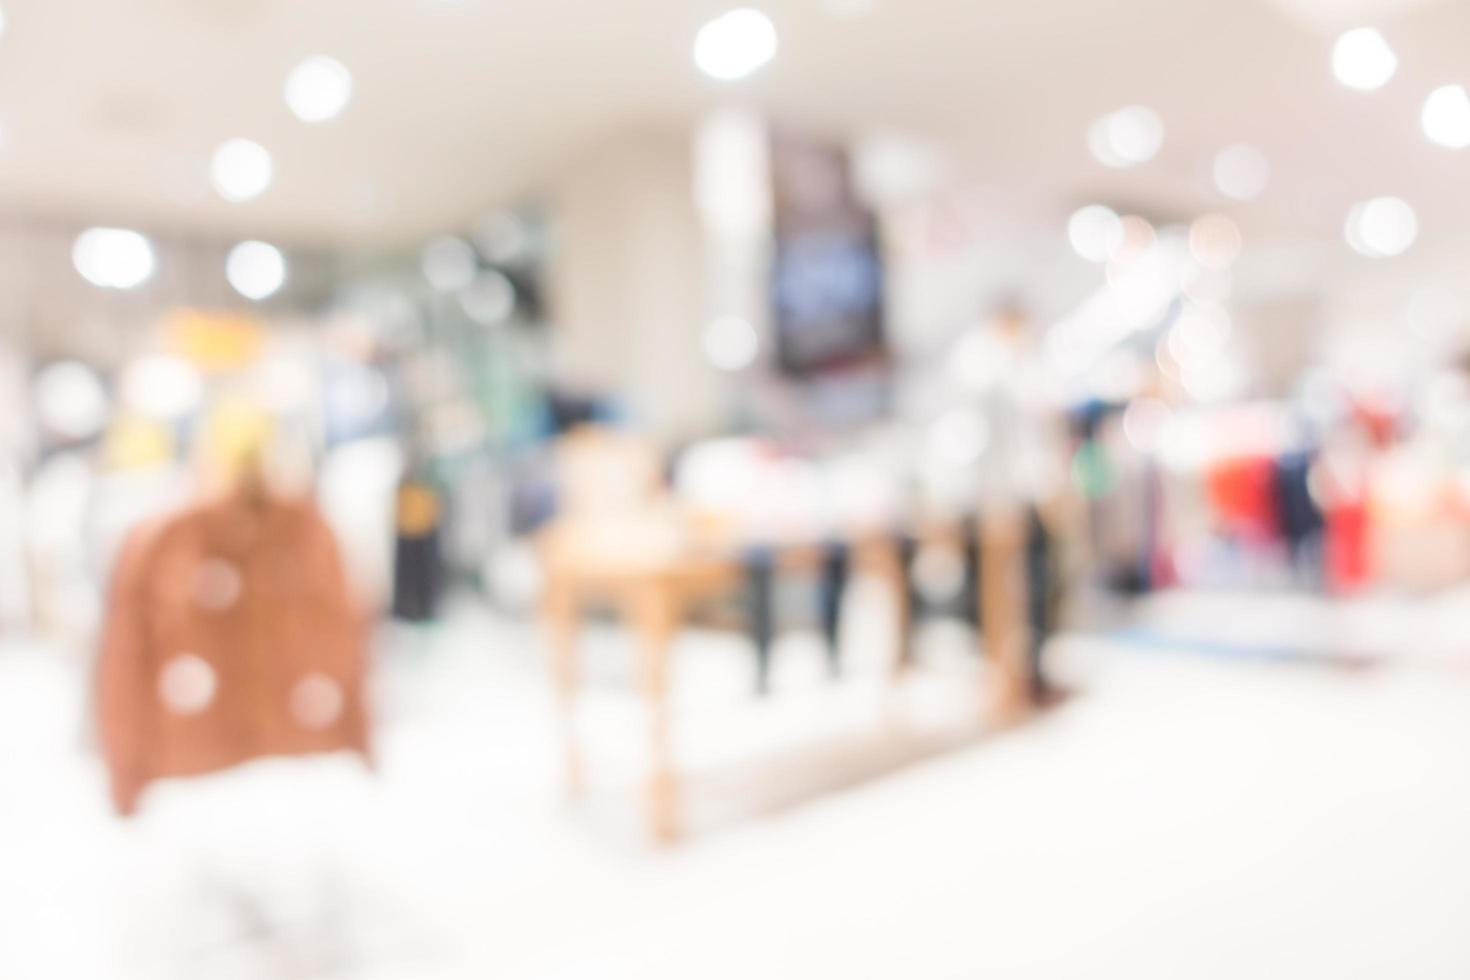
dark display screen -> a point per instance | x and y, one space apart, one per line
827 280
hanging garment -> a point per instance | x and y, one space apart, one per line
1043 599
1346 551
230 635
1242 490
1301 518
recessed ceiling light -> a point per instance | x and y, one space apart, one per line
1096 232
1130 136
114 258
1241 172
70 400
162 386
1446 116
1214 241
241 170
449 263
1362 59
736 44
257 270
1381 227
1199 334
318 89
489 299
1138 240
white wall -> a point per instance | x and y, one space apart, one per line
627 280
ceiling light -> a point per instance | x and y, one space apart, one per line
449 263
161 386
241 170
1101 146
1199 335
70 400
735 44
1096 232
1241 172
1381 227
1214 241
256 270
1130 136
1362 59
490 299
318 89
1446 116
1138 242
1136 133
114 258
731 344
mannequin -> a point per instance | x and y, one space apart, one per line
230 631
231 702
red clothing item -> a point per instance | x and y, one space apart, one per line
1347 564
230 635
1242 491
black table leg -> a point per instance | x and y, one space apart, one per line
760 582
835 570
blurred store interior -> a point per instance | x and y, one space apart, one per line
824 488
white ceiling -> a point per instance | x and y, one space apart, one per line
112 107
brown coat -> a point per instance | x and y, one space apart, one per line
230 635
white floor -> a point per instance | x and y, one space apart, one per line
1182 815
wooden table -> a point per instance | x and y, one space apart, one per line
650 586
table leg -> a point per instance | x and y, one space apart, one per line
896 555
654 617
1002 614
